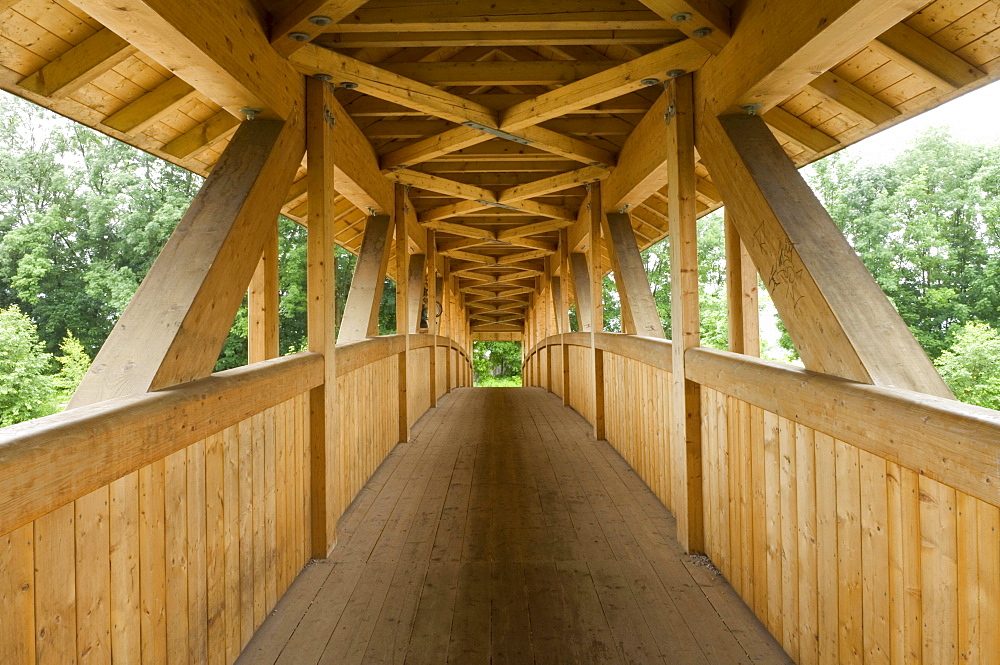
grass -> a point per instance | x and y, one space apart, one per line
499 382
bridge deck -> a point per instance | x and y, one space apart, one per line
504 532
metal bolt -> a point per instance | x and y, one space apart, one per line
751 109
674 73
680 17
649 82
702 32
322 77
299 36
349 85
320 20
249 112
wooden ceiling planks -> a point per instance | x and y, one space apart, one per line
559 80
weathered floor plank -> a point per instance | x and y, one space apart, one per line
504 532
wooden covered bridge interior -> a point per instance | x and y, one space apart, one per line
641 499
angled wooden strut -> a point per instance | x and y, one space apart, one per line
838 317
639 313
177 322
363 300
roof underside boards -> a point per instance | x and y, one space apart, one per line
478 108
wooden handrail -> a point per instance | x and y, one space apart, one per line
48 462
648 350
954 443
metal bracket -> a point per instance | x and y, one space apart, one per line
331 120
495 204
669 114
496 132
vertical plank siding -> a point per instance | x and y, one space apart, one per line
154 559
181 560
845 556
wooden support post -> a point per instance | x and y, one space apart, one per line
564 311
584 295
431 269
321 273
402 306
176 324
838 317
597 302
447 322
262 302
361 310
682 210
639 314
415 291
741 291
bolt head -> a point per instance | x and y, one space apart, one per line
322 77
702 32
299 36
249 112
681 17
751 109
674 73
320 20
649 82
349 85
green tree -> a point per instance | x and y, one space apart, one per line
26 387
971 366
73 364
496 360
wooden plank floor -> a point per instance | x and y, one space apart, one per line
505 533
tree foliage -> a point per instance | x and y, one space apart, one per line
496 360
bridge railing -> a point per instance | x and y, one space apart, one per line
860 523
164 527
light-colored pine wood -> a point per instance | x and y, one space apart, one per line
262 303
360 318
638 306
741 295
80 65
321 278
198 44
196 285
813 275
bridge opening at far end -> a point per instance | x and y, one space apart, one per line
496 363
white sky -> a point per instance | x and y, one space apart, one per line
972 118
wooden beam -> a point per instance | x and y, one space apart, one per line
814 37
262 302
584 297
595 222
459 229
150 107
533 229
566 146
219 48
415 291
615 82
433 183
179 318
642 162
853 100
798 131
926 58
378 82
630 278
219 126
685 444
402 310
79 66
506 73
357 172
432 147
552 184
434 39
741 294
296 20
321 272
360 319
432 314
840 320
705 21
